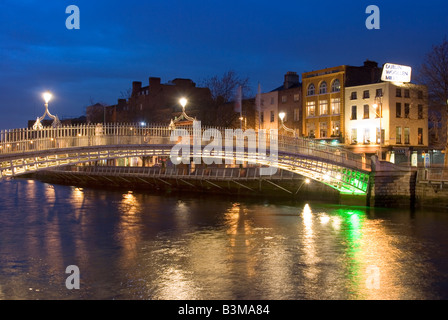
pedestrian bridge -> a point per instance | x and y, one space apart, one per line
25 151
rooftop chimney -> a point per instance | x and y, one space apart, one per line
291 79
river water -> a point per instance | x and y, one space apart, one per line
131 245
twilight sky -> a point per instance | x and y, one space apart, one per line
124 41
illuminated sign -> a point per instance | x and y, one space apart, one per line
396 73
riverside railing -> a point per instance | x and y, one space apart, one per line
20 141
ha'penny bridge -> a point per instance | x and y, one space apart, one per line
29 150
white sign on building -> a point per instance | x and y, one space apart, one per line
396 73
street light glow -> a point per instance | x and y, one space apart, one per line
47 96
281 115
183 102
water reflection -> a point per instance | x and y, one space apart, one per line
131 245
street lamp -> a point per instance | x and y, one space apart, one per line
282 116
38 124
378 106
183 102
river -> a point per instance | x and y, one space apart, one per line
135 245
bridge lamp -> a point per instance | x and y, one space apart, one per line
143 123
281 115
47 97
307 181
183 102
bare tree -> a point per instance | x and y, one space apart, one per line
126 94
225 86
434 74
223 90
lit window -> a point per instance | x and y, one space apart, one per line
336 128
398 135
323 107
420 135
366 137
406 136
323 129
311 108
311 90
323 88
354 136
336 106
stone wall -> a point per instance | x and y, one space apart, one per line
392 185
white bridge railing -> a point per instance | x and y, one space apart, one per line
23 141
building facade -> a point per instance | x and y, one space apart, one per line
323 98
287 99
156 103
388 119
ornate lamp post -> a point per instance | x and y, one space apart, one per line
183 102
38 124
378 106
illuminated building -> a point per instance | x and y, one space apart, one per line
400 131
287 99
323 98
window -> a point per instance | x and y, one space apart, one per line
378 137
406 136
366 137
323 129
323 88
354 96
406 110
379 93
297 114
398 111
407 93
354 136
398 135
336 106
272 116
284 99
366 94
398 93
272 100
335 128
323 107
366 111
311 108
336 86
420 94
311 90
310 129
354 113
296 97
262 116
420 111
420 135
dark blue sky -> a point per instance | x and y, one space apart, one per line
123 41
